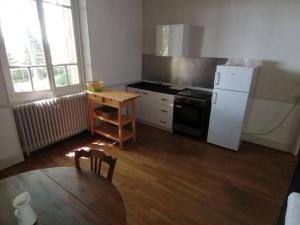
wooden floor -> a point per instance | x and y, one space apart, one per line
168 179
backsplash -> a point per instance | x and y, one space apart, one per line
181 70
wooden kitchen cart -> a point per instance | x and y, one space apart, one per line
113 127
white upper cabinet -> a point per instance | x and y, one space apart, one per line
172 40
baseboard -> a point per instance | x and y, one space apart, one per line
266 142
10 161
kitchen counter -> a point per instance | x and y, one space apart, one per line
161 88
173 108
112 126
119 96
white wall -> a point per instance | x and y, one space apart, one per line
115 38
3 93
10 149
266 30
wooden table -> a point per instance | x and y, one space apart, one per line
65 196
112 128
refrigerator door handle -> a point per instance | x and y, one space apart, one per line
215 98
218 76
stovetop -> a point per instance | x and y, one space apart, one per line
195 94
166 89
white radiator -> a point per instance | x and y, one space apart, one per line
45 122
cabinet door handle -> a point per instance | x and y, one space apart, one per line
144 93
178 106
215 98
162 121
165 111
218 77
164 99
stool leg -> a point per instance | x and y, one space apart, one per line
120 125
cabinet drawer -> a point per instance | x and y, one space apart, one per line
163 99
155 108
103 101
163 123
165 113
153 98
164 116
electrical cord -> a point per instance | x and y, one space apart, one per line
279 124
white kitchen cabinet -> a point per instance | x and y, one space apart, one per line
141 102
154 108
163 116
172 40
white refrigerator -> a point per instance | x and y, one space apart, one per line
232 90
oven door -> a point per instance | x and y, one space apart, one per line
188 116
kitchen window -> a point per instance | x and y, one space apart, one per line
39 48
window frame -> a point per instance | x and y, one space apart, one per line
19 97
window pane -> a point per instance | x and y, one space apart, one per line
23 43
60 76
64 2
73 74
40 78
61 2
60 33
21 79
51 1
21 31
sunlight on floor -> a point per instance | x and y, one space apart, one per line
72 153
101 143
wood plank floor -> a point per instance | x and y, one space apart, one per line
169 179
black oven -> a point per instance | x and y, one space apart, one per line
191 115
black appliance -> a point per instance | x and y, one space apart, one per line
192 112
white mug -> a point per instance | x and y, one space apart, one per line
24 212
